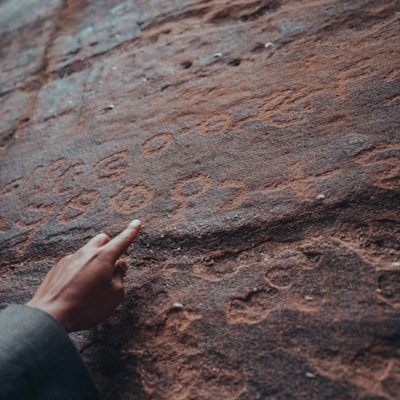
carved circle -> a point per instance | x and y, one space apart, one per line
132 198
157 144
34 216
280 277
189 188
111 167
77 207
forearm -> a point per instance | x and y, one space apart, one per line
37 358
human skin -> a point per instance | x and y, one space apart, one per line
83 288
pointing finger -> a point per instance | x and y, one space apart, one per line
117 246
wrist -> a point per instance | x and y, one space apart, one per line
50 311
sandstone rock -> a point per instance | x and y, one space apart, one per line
258 142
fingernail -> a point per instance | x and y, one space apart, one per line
135 224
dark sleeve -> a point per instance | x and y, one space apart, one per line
38 360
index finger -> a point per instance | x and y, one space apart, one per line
118 246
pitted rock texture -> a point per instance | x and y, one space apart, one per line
259 144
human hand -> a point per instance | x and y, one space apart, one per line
83 288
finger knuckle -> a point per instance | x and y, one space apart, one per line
102 256
103 236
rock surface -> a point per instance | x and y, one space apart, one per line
259 143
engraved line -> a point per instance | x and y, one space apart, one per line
187 189
131 198
240 192
60 185
10 186
157 144
39 215
111 167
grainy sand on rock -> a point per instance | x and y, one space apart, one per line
259 144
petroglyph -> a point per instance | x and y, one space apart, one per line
34 182
157 144
389 153
191 187
387 158
276 100
376 247
39 179
281 277
392 75
179 319
68 180
392 100
389 178
283 108
349 74
238 191
62 178
217 124
11 186
312 254
22 242
132 198
287 108
252 307
78 206
51 170
302 186
215 271
3 225
111 167
35 215
363 366
188 189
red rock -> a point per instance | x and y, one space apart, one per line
258 142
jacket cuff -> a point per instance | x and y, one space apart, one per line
38 359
